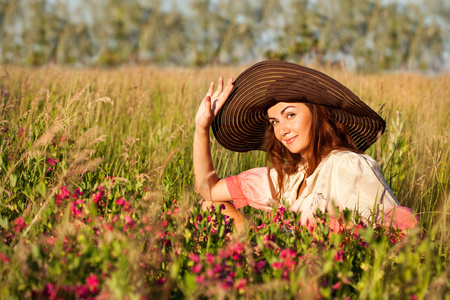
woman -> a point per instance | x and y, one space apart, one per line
314 131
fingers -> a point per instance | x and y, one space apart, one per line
220 86
229 87
207 103
210 90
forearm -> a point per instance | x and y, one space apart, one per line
240 219
204 172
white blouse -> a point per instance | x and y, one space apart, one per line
343 179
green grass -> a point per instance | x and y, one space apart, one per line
123 138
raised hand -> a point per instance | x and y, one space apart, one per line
212 103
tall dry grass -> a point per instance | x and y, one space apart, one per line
137 124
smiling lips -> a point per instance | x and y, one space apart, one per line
288 141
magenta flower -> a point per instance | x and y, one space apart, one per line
197 268
200 279
75 207
20 224
4 258
259 265
52 161
194 257
286 253
241 284
92 283
51 240
65 194
336 286
98 196
277 265
160 281
49 290
217 269
21 132
78 193
339 255
82 291
120 201
209 258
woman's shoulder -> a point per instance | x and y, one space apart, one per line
350 159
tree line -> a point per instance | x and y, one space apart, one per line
367 35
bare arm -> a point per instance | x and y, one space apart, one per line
213 190
206 180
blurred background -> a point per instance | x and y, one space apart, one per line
361 35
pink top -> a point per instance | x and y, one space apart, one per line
343 179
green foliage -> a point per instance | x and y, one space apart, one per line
367 35
97 199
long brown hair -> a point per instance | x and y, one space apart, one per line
326 135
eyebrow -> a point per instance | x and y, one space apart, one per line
283 110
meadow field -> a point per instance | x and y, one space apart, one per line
97 195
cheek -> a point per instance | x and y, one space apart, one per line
277 134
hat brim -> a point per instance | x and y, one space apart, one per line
242 122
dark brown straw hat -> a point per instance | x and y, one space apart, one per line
241 123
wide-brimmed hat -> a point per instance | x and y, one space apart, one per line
242 122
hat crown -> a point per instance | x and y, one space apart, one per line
242 122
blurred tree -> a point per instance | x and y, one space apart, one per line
366 34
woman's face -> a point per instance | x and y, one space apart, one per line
291 124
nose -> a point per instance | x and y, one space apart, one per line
283 128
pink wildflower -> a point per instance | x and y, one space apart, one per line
21 132
92 283
217 269
98 196
210 258
336 286
277 265
51 240
200 279
241 284
120 201
65 194
259 265
339 255
20 224
160 281
126 206
78 193
197 268
194 257
82 291
75 208
4 258
285 253
49 290
52 161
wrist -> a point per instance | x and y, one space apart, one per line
202 130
